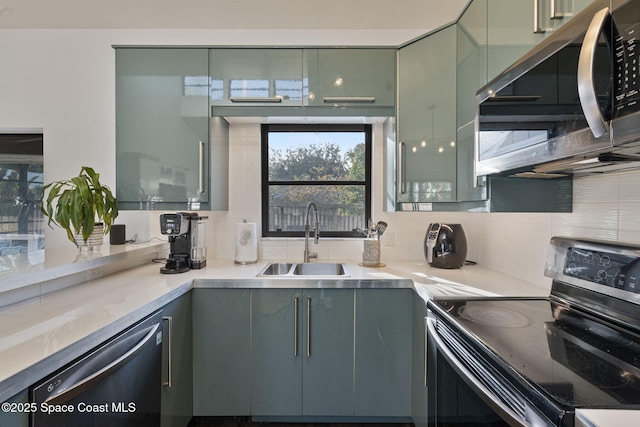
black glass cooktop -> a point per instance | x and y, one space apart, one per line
571 358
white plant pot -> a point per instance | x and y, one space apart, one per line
94 242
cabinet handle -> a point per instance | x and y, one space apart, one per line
295 327
536 19
560 15
201 165
308 327
274 99
359 99
426 349
400 168
169 321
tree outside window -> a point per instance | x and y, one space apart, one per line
326 164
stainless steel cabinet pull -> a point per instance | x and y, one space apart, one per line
426 349
537 29
560 15
295 327
169 321
586 88
201 166
275 99
359 99
402 147
308 327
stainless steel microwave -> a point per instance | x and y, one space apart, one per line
571 104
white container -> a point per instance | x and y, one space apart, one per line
246 243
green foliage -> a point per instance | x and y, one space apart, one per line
317 162
77 204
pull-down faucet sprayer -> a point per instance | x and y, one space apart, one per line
316 232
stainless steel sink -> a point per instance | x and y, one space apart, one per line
276 269
319 269
304 269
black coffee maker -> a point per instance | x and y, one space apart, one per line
178 227
445 245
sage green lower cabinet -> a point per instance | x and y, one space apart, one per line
221 352
177 375
302 352
419 364
383 353
17 418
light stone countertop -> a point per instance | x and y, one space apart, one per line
42 334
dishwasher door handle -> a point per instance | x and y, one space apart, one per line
88 381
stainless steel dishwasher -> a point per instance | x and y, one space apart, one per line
116 384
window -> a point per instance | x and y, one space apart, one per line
21 181
326 164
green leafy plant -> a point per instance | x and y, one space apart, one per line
78 204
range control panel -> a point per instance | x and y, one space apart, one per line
604 268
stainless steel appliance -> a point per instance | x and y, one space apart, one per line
118 384
570 105
187 240
534 361
445 245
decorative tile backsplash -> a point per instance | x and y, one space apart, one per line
512 243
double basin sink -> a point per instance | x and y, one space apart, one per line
287 269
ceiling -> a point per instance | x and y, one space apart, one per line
229 14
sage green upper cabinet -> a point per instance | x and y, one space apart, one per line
426 119
515 26
162 129
350 77
511 32
256 77
471 75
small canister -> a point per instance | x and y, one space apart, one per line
371 252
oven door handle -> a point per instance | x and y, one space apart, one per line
483 392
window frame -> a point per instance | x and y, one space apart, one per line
367 129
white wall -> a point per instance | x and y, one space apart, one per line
62 81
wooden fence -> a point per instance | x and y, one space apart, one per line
331 217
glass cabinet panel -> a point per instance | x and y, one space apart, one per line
471 75
350 77
426 119
162 128
257 77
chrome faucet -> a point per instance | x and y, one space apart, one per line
316 232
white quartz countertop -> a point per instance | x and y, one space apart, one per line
42 334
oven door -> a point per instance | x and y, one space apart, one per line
464 389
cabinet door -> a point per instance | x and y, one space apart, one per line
327 385
221 352
277 352
471 76
16 418
426 121
177 356
257 77
162 128
511 31
383 352
338 77
419 363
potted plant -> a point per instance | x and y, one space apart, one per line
82 206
